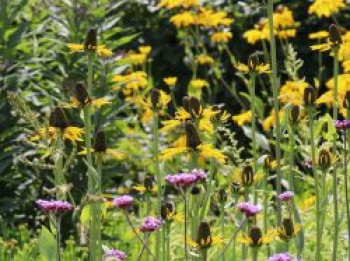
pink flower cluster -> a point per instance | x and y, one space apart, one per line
286 196
150 224
184 180
344 124
123 201
114 253
54 206
250 210
281 257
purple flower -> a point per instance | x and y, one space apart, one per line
114 253
181 180
123 201
248 209
200 174
54 206
286 196
281 257
344 124
150 224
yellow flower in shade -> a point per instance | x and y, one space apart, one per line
288 229
198 83
134 58
256 238
132 82
246 177
326 7
334 40
169 214
183 19
254 35
96 103
204 59
243 118
170 81
148 186
72 134
207 152
146 50
171 4
259 69
204 238
101 50
221 37
212 19
292 92
283 17
286 33
269 121
161 103
319 35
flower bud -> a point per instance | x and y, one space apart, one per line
58 118
81 94
204 238
253 61
294 114
255 234
334 35
167 209
288 227
324 159
90 40
100 142
192 136
247 175
346 102
148 183
309 96
155 98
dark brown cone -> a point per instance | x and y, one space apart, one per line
309 96
166 209
81 94
255 234
90 40
155 98
186 103
100 142
195 106
192 136
253 61
204 238
324 159
247 175
334 35
294 114
58 118
149 183
222 195
288 227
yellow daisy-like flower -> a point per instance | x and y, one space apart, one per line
326 7
208 152
243 118
146 50
288 229
269 121
170 81
204 238
255 238
221 37
73 134
198 83
101 50
96 103
204 59
259 69
132 82
171 4
254 35
292 92
319 35
183 19
246 177
212 19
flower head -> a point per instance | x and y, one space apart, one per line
342 124
281 257
114 254
248 209
123 202
326 7
200 174
54 206
286 196
150 224
182 180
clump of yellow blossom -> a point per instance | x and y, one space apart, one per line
171 4
170 81
243 118
326 7
293 92
221 37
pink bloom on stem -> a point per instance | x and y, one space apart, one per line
344 124
123 201
114 253
54 206
200 174
281 257
150 224
182 180
286 196
250 210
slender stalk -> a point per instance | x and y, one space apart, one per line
158 174
252 93
314 164
204 254
58 238
232 238
255 253
275 86
185 225
222 224
138 236
167 236
334 151
58 171
347 202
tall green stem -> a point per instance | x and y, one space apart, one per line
275 87
334 151
185 225
252 93
347 202
314 164
58 238
222 224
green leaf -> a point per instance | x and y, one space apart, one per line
47 245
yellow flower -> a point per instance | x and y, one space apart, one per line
183 19
326 7
283 18
204 59
292 92
134 58
198 83
319 35
246 177
96 103
269 122
254 35
170 81
221 37
146 50
307 203
255 238
243 118
73 134
208 152
204 238
286 33
132 82
259 69
101 50
288 229
171 4
210 18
